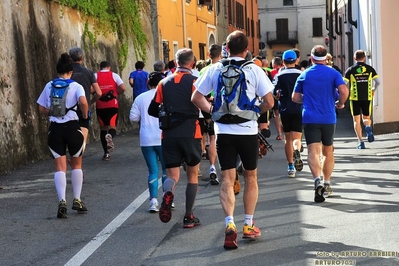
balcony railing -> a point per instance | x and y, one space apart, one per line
282 37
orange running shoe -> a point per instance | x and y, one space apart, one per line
230 240
251 231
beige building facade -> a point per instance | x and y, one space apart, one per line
369 25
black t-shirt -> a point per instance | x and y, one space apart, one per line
84 77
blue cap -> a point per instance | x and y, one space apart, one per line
289 56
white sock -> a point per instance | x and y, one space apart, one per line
77 182
212 167
60 184
248 219
229 219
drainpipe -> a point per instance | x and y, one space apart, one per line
351 21
337 31
330 27
155 29
183 8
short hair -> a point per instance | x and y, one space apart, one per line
277 60
237 42
184 57
359 55
304 63
298 53
76 53
171 64
215 50
139 65
64 64
159 66
200 64
154 78
104 64
248 56
319 51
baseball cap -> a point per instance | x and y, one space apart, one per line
289 56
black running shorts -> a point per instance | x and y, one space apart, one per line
229 146
363 107
315 133
65 135
175 150
291 122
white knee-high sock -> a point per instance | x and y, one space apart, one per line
77 181
60 184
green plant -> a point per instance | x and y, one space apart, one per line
121 17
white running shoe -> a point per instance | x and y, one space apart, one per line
154 207
110 142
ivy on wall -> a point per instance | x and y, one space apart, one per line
121 17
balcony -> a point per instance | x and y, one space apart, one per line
282 37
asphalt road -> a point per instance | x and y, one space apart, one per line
357 225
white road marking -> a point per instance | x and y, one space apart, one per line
101 237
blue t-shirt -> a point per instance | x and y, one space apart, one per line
318 85
139 82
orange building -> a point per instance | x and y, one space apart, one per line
199 23
185 23
243 15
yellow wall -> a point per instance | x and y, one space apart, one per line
199 24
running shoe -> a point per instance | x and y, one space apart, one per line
213 177
153 207
237 184
319 191
327 189
369 134
62 209
190 221
230 239
360 145
291 170
165 212
250 231
110 142
298 163
106 157
78 205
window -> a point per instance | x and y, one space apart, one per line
317 27
231 12
282 29
239 15
202 51
205 2
288 2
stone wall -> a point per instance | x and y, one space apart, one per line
33 35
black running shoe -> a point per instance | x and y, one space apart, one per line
165 212
79 206
190 221
319 191
62 210
214 178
